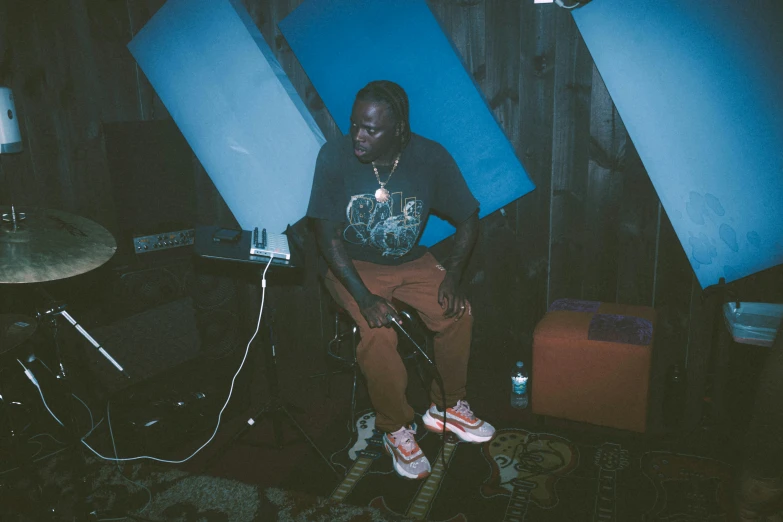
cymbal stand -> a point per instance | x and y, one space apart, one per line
14 218
54 308
82 508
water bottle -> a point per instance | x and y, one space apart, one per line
519 386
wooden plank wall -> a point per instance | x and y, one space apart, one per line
592 229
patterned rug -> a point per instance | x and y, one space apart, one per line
148 492
521 475
536 476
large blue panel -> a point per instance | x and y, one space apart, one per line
235 106
344 44
698 86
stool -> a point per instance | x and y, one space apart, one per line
341 349
591 363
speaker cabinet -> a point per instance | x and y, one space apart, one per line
153 180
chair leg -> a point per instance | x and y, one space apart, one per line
353 400
354 332
422 373
336 339
328 380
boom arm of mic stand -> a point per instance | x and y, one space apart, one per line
54 308
93 342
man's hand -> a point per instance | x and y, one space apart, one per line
377 311
452 301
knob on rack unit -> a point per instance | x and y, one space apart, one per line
163 241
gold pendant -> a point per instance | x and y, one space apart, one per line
382 195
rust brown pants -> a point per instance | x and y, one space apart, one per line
415 283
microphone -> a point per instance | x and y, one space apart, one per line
415 344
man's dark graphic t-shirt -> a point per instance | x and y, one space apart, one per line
426 178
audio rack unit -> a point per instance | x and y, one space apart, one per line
163 241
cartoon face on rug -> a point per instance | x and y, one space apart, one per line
528 464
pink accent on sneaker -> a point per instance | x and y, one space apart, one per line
407 458
461 421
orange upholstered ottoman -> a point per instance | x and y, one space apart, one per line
591 363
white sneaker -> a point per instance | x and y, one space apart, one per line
460 421
408 459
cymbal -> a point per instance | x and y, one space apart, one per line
14 330
51 244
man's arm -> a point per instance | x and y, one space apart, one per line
375 309
450 298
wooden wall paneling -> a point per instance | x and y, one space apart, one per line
570 145
5 46
41 67
673 295
495 285
18 182
82 114
139 13
110 30
464 24
536 79
603 195
502 85
701 317
493 275
638 232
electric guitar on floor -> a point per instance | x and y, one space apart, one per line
527 465
422 502
367 450
610 458
689 488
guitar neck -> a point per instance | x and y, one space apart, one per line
421 503
606 496
520 500
357 471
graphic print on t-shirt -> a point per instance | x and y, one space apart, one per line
391 227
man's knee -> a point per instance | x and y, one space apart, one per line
377 339
446 323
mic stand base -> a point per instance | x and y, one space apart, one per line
82 508
275 409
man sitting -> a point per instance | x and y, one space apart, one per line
372 193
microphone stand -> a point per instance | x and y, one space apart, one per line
82 509
52 309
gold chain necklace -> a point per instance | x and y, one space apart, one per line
382 194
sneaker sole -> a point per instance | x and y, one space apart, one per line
436 426
401 472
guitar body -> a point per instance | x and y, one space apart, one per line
367 449
688 488
526 467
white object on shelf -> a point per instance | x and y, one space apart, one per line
753 323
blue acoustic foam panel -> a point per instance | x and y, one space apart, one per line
698 86
344 44
235 106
